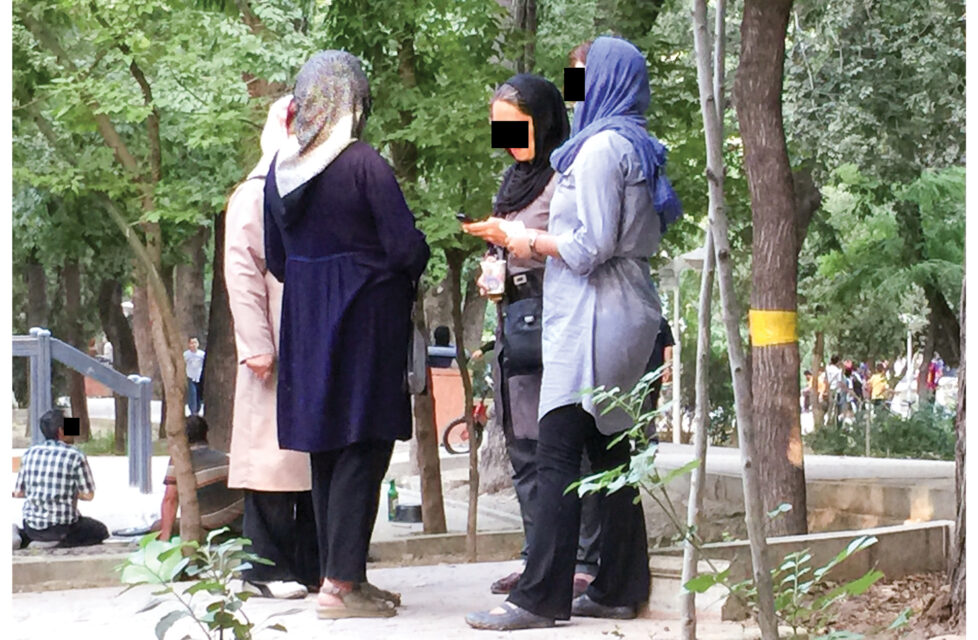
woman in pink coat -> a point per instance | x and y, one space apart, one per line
278 504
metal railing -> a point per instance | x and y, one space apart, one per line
41 348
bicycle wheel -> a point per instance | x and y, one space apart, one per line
456 437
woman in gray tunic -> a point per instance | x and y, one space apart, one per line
524 196
600 318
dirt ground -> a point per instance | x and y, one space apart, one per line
873 612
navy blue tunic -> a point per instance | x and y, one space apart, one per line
347 249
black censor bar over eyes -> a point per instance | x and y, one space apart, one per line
510 134
573 84
72 427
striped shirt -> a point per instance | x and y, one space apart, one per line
51 476
219 506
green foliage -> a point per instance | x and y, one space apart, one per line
210 601
860 283
927 434
874 95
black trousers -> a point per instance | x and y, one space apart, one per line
546 587
282 528
522 455
82 533
346 495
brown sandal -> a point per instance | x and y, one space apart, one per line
377 593
356 604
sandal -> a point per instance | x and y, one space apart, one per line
513 618
377 593
356 604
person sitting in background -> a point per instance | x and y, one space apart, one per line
219 506
53 477
438 353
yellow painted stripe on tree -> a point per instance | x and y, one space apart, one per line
770 327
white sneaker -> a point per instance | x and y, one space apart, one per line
278 589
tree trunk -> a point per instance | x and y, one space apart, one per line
168 344
221 361
923 393
456 259
148 366
124 357
818 355
473 316
942 318
704 316
774 282
188 288
957 565
700 421
438 311
495 471
525 21
404 156
739 373
37 297
426 436
71 278
633 20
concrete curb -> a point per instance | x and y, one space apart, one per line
44 572
928 541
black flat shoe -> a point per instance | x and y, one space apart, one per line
514 618
584 607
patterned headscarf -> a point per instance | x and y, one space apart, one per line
331 102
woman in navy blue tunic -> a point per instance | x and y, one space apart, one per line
340 236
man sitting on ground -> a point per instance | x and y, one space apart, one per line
53 476
219 506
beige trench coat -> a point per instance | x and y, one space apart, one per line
255 296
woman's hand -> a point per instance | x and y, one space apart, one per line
261 365
484 290
518 244
488 230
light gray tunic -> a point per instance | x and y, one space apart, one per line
522 392
600 308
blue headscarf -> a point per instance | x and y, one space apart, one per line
616 97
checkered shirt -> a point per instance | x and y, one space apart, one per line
52 474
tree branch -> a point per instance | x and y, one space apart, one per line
105 128
808 199
153 119
254 22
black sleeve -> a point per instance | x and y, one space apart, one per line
487 347
274 248
667 339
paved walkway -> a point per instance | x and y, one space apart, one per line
435 601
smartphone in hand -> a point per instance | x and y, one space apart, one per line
462 217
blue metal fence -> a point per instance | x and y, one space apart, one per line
41 348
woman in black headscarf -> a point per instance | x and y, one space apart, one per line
524 197
340 236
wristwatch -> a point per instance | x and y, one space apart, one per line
533 234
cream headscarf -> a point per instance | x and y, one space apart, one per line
273 136
331 101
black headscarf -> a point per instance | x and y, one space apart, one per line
523 182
